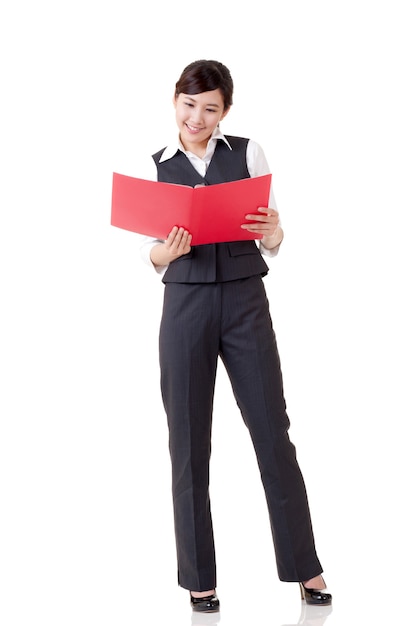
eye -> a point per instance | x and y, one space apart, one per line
211 111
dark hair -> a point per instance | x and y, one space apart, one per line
203 75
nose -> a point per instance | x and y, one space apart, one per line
196 115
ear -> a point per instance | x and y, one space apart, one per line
225 112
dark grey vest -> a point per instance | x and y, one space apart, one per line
218 262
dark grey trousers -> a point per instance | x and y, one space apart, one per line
231 320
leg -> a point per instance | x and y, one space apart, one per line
248 349
188 359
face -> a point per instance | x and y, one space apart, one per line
197 116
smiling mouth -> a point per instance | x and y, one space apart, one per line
193 129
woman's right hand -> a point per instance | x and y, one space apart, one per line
178 242
176 245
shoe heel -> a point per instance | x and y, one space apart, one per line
302 592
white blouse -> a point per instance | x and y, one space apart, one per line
257 166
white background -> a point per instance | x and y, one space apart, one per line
328 89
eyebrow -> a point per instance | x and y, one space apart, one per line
208 104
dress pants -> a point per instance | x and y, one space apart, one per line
201 322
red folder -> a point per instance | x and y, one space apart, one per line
211 214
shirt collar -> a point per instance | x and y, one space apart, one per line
175 145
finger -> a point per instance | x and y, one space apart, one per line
260 221
174 237
183 234
266 214
269 214
265 209
263 229
183 240
256 218
171 236
179 235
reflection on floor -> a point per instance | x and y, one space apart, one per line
310 616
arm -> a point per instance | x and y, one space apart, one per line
268 220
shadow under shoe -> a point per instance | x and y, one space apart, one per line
313 615
205 619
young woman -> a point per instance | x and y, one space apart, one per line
215 306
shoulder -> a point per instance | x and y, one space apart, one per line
245 143
157 155
256 159
237 142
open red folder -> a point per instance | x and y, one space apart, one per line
211 214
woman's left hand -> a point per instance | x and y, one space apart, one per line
265 223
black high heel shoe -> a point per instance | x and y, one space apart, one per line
319 597
207 604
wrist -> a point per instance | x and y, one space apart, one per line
159 255
273 241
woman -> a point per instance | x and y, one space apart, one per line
215 306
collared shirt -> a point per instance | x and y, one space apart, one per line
257 166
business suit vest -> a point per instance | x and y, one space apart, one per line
218 262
